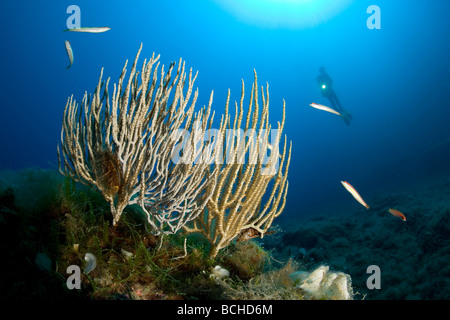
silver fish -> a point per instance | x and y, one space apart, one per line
324 108
89 29
69 53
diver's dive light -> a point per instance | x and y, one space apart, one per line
324 87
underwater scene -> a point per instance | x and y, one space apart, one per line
225 150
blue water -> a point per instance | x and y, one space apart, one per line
395 81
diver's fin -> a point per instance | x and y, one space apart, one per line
349 115
346 117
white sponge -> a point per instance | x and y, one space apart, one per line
324 284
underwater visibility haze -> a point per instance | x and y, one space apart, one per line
359 88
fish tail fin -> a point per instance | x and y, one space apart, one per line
68 67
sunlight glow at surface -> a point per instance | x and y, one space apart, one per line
292 14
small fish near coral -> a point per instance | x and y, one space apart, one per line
397 213
89 29
354 193
69 53
84 29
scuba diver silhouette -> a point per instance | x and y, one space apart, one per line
326 88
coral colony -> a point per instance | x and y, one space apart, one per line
126 147
144 146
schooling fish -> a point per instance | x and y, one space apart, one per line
397 214
354 193
69 53
89 29
324 108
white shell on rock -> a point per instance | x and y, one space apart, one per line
91 262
